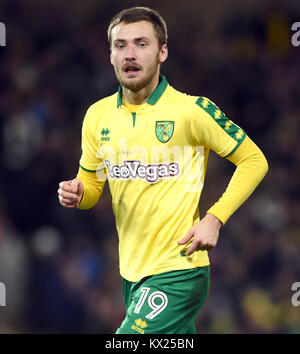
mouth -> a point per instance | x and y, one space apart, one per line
131 69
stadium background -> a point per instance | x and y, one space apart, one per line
60 266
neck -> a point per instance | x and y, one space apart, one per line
143 94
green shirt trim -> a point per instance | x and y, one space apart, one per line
219 117
93 171
236 146
160 89
155 96
133 118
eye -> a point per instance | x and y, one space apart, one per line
142 44
119 46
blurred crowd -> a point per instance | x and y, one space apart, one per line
60 266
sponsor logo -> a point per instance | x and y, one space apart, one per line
134 169
161 161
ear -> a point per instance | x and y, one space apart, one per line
111 59
163 53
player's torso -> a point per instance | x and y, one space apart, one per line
155 202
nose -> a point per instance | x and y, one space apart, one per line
130 53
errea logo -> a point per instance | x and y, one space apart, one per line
104 134
140 324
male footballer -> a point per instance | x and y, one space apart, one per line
151 142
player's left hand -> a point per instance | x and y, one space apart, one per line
205 234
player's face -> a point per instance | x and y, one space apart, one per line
135 54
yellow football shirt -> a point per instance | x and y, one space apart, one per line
155 162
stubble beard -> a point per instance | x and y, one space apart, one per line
136 86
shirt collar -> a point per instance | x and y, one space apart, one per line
155 96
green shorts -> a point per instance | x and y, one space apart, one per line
165 303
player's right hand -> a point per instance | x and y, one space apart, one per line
70 193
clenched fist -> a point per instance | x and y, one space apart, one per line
70 193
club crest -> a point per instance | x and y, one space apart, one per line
164 130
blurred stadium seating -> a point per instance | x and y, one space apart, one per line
60 266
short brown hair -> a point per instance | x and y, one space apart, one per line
136 14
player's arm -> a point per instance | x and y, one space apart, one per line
85 190
228 140
252 166
93 184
